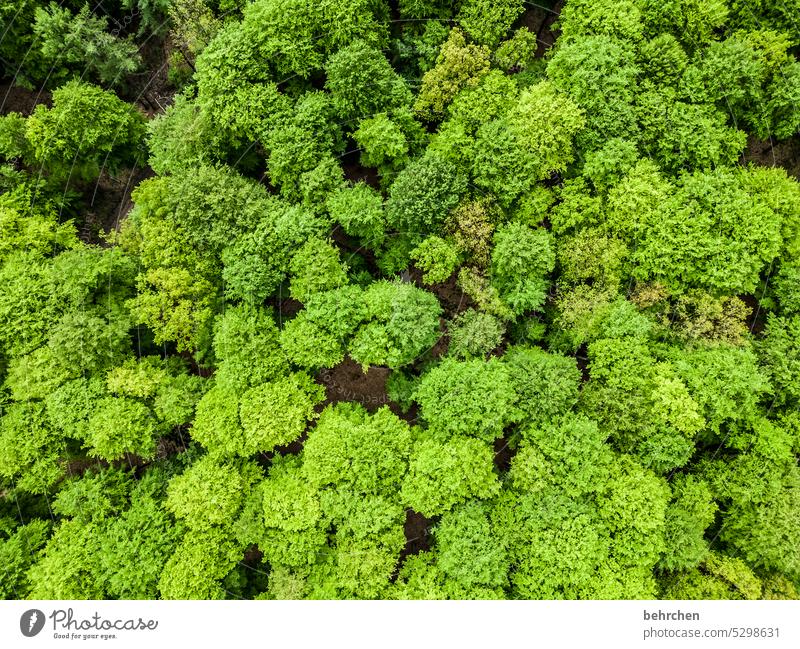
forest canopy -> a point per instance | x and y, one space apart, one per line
357 299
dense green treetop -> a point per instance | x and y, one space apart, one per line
352 299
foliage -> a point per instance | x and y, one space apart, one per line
437 258
19 551
384 144
422 195
474 334
531 141
708 210
469 551
472 397
274 414
486 22
405 302
247 348
518 51
688 516
402 322
361 452
781 355
458 65
120 425
315 268
363 83
86 129
82 41
546 385
444 474
521 259
208 493
359 210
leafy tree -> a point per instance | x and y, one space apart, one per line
69 566
137 378
299 35
351 449
554 544
655 412
680 135
383 143
487 22
421 577
458 65
274 414
568 454
599 74
475 284
533 140
469 550
703 210
216 424
472 224
607 166
86 129
304 142
70 405
235 88
193 26
444 474
474 334
181 137
402 322
696 315
30 449
520 260
781 356
592 257
726 383
471 397
317 336
18 552
423 194
517 52
246 345
419 42
136 546
663 60
760 494
363 83
633 509
694 21
16 20
721 577
437 258
176 399
492 97
209 493
290 503
316 268
200 561
120 425
689 514
622 20
176 305
359 210
83 41
282 514
785 287
598 392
